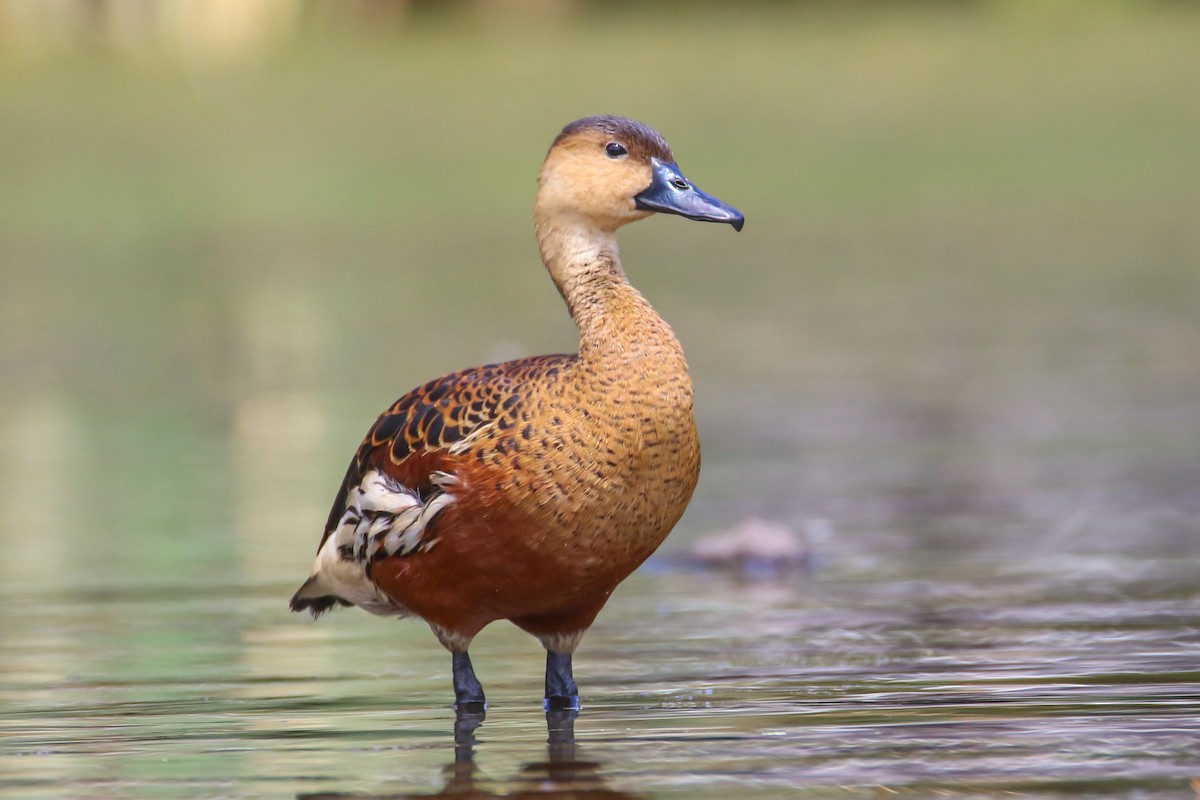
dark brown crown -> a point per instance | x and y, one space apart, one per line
639 139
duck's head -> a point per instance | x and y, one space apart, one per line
611 171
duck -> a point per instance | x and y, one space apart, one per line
528 490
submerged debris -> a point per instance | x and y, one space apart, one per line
756 548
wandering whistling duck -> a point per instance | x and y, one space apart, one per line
528 490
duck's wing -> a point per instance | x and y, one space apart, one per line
400 479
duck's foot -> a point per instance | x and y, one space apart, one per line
468 691
561 692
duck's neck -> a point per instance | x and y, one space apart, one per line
614 320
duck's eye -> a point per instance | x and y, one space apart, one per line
615 150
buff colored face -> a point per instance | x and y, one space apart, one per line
597 175
614 172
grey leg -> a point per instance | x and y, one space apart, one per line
468 692
561 691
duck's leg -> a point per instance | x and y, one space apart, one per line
468 691
561 691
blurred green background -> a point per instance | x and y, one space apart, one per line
231 233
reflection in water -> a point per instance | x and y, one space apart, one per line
39 437
277 424
974 686
561 775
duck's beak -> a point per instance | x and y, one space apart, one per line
671 193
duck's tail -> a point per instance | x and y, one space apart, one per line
315 598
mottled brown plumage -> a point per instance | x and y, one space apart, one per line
528 490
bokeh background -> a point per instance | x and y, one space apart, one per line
958 339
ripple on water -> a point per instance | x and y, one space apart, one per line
1001 682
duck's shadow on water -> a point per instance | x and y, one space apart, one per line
562 775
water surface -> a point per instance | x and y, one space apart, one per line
1076 681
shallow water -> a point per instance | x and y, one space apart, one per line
1081 680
